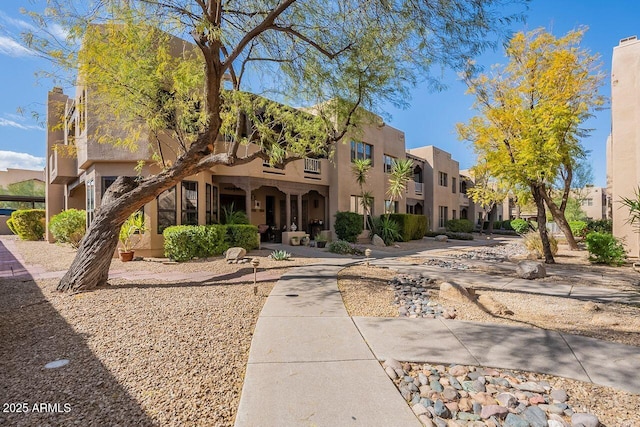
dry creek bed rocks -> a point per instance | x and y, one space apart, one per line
412 297
459 395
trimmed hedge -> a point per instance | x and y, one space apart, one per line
28 224
578 228
520 226
451 235
412 227
68 226
600 225
348 226
184 242
459 226
242 235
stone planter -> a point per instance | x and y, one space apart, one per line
295 241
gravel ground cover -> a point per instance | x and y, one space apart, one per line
140 352
367 291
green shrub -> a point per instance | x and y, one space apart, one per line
459 226
184 242
28 224
600 225
387 229
451 235
68 226
242 235
412 227
605 249
533 242
578 228
506 225
340 247
520 226
348 226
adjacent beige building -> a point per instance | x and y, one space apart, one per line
624 144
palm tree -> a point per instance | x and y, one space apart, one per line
360 169
401 173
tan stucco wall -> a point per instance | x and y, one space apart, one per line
437 195
625 136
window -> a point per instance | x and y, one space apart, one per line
214 210
355 205
390 207
587 202
361 150
107 181
91 200
454 184
166 209
443 216
388 163
453 214
463 187
189 203
207 204
443 179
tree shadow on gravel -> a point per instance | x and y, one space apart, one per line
33 334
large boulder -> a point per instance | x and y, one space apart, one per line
235 254
531 270
455 292
377 240
441 238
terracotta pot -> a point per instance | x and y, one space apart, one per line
126 256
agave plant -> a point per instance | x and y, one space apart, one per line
280 255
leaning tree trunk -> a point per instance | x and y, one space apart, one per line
561 220
536 191
90 267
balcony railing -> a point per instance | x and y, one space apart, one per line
311 165
418 187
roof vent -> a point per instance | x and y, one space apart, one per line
628 39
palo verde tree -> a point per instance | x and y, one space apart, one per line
486 191
530 113
194 101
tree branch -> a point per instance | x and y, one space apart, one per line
256 31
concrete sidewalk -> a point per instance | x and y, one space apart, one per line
311 364
502 346
308 364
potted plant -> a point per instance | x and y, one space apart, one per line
321 240
135 224
295 241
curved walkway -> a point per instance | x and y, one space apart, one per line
311 364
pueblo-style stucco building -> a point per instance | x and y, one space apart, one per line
306 192
623 147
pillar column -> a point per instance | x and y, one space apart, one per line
247 202
299 218
288 210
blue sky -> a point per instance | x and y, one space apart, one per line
430 120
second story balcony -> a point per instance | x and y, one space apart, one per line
62 169
312 166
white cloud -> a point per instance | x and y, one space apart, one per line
12 123
18 23
9 46
11 159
